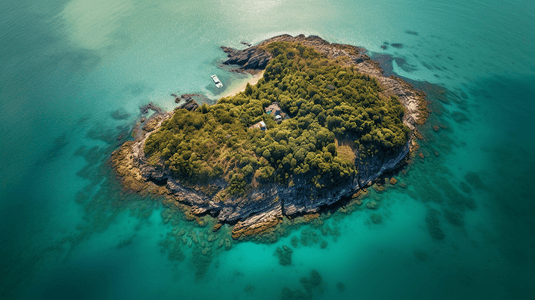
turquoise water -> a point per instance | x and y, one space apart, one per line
74 73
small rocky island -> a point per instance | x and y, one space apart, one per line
321 124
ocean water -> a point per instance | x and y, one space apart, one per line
72 78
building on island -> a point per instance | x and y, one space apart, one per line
274 110
260 125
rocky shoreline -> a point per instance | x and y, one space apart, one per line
266 206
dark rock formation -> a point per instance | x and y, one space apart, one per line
188 98
253 58
190 105
151 106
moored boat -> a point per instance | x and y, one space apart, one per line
217 82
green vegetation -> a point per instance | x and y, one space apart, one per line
324 99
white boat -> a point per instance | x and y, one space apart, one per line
217 81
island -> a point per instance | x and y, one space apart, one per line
322 123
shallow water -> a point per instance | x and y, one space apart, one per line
74 74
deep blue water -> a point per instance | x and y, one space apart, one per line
74 73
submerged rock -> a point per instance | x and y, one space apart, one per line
314 282
285 255
371 205
315 278
454 217
376 218
421 255
433 225
151 106
474 180
294 294
120 115
228 244
294 241
309 237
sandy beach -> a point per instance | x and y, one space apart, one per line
241 87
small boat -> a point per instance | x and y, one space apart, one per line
217 82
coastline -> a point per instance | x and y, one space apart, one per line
241 87
261 216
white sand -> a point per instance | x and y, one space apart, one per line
241 87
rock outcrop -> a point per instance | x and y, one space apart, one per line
248 59
190 105
265 206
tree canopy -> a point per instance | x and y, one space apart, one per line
325 101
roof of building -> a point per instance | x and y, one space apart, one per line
260 125
273 107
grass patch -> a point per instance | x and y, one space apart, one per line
344 150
